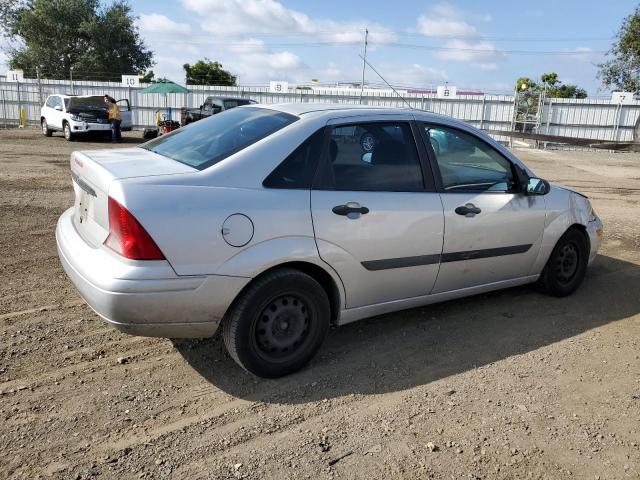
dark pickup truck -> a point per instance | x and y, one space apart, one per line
211 106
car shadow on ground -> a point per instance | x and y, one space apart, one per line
401 350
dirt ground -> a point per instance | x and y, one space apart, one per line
509 385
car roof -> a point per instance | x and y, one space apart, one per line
350 110
217 97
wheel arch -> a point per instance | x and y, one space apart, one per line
583 230
319 274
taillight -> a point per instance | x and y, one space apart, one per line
127 237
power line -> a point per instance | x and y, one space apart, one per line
321 33
391 45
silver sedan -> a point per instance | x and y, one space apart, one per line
278 221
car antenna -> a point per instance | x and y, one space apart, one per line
394 90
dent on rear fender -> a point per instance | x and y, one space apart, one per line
260 257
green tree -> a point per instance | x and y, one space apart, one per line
525 84
622 71
148 77
206 72
550 79
555 89
98 42
552 87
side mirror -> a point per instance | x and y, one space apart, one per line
536 186
58 108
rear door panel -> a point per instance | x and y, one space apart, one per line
393 251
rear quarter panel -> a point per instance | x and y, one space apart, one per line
186 223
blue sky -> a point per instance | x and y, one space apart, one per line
481 45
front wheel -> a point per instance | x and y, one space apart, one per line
45 128
566 266
278 324
68 135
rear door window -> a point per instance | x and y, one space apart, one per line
376 156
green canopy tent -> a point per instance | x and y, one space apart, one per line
165 87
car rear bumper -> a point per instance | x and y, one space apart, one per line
144 297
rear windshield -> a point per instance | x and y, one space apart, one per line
213 139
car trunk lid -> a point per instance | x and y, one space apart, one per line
93 172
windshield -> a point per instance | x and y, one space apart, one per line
206 142
86 103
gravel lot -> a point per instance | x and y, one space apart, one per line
509 385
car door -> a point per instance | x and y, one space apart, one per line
377 220
56 112
493 231
125 113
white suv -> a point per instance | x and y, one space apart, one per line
74 115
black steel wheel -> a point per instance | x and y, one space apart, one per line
566 266
283 327
567 262
368 142
277 325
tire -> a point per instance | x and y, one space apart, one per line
45 128
567 265
66 129
278 324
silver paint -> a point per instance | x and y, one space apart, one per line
184 211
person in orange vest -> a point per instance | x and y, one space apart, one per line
114 118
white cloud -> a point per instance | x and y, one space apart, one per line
414 75
396 73
469 50
444 20
239 17
156 23
487 66
444 27
581 53
466 43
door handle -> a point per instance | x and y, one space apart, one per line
468 210
350 207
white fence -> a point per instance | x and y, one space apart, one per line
590 118
587 118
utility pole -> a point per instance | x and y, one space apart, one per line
364 62
39 85
71 78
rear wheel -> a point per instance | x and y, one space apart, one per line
566 266
278 323
45 128
68 134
